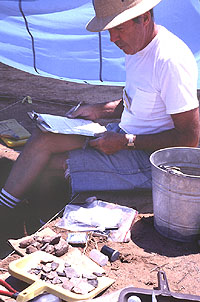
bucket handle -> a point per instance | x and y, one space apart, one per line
163 283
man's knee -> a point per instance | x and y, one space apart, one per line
52 143
40 140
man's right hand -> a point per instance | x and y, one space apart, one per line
88 112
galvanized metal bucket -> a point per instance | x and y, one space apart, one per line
176 192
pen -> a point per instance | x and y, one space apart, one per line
73 109
76 107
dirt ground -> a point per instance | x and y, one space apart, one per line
148 251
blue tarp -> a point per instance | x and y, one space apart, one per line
49 38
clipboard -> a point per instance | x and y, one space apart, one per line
64 125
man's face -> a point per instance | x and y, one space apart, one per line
129 36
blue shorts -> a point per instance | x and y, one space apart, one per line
92 170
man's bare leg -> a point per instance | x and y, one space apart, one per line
50 192
34 158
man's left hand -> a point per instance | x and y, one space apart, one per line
109 142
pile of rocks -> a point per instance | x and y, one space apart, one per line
66 276
54 245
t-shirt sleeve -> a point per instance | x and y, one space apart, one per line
178 84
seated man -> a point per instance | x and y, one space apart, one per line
159 109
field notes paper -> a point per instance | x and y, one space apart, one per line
64 125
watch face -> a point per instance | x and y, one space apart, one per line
130 138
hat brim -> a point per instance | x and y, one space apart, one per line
100 24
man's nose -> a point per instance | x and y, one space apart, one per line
113 35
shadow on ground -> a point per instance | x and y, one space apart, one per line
146 237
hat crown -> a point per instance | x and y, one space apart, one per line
110 13
104 8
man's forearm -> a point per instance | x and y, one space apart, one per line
111 142
184 134
169 138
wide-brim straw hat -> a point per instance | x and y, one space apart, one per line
110 13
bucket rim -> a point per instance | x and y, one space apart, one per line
173 148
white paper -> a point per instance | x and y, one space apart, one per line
65 125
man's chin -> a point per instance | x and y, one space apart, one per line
126 51
129 52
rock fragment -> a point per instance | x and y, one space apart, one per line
49 249
44 246
67 284
98 274
55 239
70 273
56 280
43 276
61 274
54 266
66 264
46 239
61 248
89 276
26 242
52 275
46 269
45 261
54 245
37 245
37 238
83 288
93 282
31 249
70 279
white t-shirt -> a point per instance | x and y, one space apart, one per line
161 80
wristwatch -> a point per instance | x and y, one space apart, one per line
131 139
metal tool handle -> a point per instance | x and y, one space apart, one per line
163 283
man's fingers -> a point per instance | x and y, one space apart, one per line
94 142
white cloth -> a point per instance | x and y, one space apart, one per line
161 80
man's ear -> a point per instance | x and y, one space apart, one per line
146 18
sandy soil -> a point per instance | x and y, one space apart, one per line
148 251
